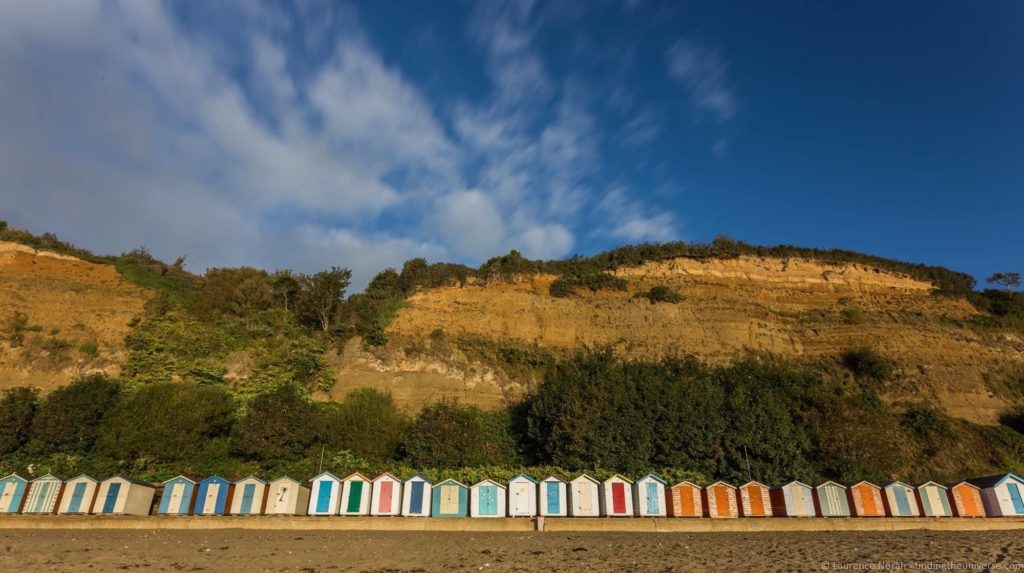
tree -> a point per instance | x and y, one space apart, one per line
278 425
1009 280
17 410
234 292
368 423
69 419
321 294
3 225
166 421
865 362
447 434
285 288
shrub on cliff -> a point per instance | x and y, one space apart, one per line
866 363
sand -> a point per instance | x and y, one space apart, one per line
321 551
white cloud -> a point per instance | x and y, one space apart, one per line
471 223
629 220
704 72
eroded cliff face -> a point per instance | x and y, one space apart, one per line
795 308
78 315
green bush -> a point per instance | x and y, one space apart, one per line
448 434
17 410
866 363
661 293
568 284
854 315
167 422
278 425
367 423
68 419
89 348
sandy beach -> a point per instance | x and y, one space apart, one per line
393 552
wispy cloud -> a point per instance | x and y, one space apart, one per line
702 70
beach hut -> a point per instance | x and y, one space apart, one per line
522 496
900 500
79 495
450 499
122 496
416 497
177 495
325 494
12 493
966 501
287 496
212 496
248 497
1002 495
720 500
934 500
755 500
487 499
865 500
795 499
43 494
832 500
685 500
355 495
386 498
584 497
552 495
649 496
617 497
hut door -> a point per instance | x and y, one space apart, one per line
355 496
384 503
652 498
756 501
210 504
8 490
76 498
618 498
520 497
552 497
280 504
902 503
685 497
449 499
247 494
832 501
488 500
323 496
803 501
585 499
40 503
1018 503
112 492
174 501
416 499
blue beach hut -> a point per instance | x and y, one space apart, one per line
212 497
551 497
176 498
450 499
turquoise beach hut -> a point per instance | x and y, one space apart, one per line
12 493
450 499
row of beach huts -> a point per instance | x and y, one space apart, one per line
522 496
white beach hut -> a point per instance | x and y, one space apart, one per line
123 496
552 497
584 497
522 496
387 495
617 497
79 495
416 492
649 496
287 496
934 500
43 494
248 496
325 494
487 499
355 495
900 500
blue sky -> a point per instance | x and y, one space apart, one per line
361 134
